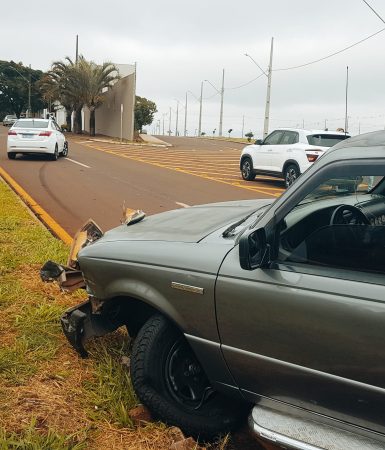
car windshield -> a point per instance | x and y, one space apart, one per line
326 140
31 124
344 186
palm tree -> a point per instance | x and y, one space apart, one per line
97 78
78 84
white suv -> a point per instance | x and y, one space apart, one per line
286 153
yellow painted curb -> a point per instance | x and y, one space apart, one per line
41 214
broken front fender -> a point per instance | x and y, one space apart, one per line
80 323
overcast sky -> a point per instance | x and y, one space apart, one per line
177 44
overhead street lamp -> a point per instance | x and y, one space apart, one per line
268 74
221 92
200 107
29 87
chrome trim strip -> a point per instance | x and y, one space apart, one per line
187 288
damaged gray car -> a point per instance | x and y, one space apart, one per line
277 308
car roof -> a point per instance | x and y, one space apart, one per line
308 131
362 146
35 118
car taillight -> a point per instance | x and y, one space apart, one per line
45 133
311 157
12 133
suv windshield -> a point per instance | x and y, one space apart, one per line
31 124
325 140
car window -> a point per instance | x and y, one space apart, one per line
31 124
325 140
339 224
289 137
273 138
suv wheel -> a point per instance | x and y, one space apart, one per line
247 169
169 380
11 155
290 174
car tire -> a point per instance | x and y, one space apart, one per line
64 153
290 174
11 155
55 154
169 380
247 169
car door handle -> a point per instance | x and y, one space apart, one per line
270 150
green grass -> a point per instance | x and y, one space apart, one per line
33 439
110 393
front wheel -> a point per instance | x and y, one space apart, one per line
290 174
169 380
11 155
247 170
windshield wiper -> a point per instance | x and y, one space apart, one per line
232 227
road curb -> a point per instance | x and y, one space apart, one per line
38 211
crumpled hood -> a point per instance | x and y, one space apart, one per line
186 224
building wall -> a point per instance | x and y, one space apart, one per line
108 115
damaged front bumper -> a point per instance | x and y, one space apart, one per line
80 324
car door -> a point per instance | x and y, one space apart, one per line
284 151
262 154
308 330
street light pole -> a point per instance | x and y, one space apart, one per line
169 123
177 117
221 112
200 111
185 117
267 107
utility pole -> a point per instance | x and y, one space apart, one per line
222 94
325 125
29 92
200 111
77 49
177 117
267 107
243 125
185 117
169 123
346 99
303 123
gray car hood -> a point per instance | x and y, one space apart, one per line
186 224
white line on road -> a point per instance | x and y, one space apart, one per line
77 162
184 205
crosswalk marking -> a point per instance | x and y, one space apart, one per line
207 164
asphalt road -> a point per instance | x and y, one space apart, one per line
98 177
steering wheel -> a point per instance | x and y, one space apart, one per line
348 215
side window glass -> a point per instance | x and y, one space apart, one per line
273 138
340 224
290 137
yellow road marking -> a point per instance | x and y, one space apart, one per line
41 214
162 158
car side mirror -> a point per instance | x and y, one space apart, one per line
258 142
254 251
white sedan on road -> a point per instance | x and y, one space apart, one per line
36 136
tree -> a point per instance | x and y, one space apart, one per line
77 84
144 112
14 88
249 135
99 77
